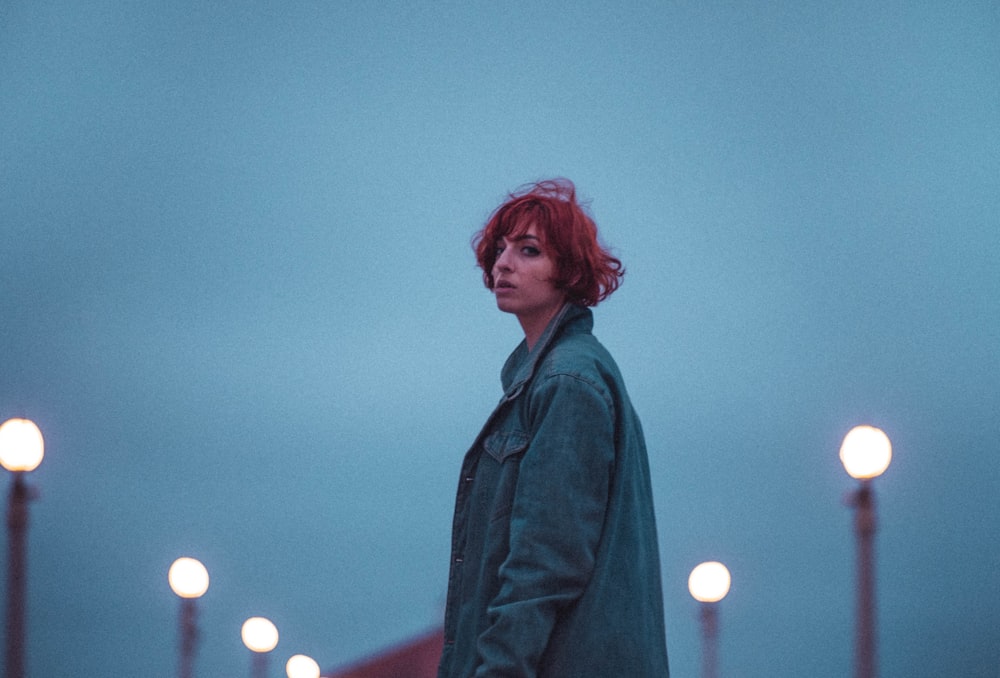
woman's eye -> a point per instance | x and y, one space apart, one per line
531 251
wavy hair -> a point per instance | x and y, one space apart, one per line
585 269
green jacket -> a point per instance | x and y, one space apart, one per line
555 568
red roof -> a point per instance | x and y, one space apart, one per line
417 658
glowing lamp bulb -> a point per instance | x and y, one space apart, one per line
188 578
21 445
866 452
709 582
301 666
259 634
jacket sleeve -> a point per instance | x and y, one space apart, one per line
556 522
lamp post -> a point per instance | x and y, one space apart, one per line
301 666
260 636
709 583
189 580
21 450
865 453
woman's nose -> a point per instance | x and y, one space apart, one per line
503 261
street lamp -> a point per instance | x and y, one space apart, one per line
21 450
188 579
260 636
301 666
865 453
709 583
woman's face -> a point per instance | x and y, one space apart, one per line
522 279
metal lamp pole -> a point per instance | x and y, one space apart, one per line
260 635
863 500
189 580
21 450
709 583
17 578
710 640
865 453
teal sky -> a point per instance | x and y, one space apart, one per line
238 297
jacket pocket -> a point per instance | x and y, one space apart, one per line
505 448
503 444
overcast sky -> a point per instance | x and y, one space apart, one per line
239 300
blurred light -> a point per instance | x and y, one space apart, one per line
866 452
301 666
709 582
259 634
188 578
21 445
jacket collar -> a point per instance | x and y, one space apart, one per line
520 366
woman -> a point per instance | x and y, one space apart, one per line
555 567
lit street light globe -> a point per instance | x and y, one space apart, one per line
188 578
865 452
21 445
301 666
709 582
259 634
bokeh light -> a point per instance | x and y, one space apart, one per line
21 445
865 452
259 634
188 578
709 582
301 666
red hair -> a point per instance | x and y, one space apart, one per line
585 270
